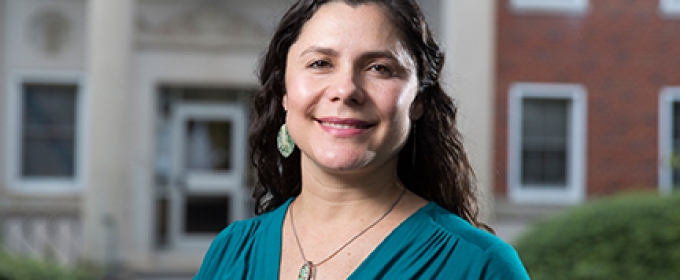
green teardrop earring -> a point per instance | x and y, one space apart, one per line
284 142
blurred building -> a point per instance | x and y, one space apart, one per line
124 127
123 123
587 101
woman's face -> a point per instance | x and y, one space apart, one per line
350 83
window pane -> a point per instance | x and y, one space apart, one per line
206 214
162 214
48 130
544 141
675 163
208 145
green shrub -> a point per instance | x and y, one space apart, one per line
14 267
632 236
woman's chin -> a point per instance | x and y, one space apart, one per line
345 161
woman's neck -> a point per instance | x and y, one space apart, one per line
344 214
329 196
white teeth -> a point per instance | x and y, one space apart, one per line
340 126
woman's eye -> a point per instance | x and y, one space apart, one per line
319 64
382 70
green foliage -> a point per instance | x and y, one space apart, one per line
23 268
633 236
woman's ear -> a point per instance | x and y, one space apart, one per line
284 102
416 109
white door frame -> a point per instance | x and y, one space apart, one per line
184 182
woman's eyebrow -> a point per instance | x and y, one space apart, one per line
322 50
331 52
379 54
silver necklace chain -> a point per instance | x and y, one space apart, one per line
310 265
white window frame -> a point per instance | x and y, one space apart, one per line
667 97
42 186
574 191
670 7
565 6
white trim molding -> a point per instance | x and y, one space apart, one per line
554 6
42 186
667 97
670 7
574 190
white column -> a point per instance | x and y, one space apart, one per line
4 94
109 100
468 32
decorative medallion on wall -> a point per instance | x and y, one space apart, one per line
210 26
48 31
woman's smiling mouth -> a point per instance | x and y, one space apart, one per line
344 127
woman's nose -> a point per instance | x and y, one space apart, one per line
346 87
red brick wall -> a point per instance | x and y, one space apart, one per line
623 52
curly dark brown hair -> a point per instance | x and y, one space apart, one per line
440 171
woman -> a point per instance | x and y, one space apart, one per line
361 171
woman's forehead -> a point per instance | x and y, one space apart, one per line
366 25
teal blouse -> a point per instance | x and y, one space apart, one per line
431 244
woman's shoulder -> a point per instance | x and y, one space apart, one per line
251 227
248 229
482 247
239 230
235 235
235 246
447 223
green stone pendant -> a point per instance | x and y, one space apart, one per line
284 142
307 271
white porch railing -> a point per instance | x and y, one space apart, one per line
43 236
